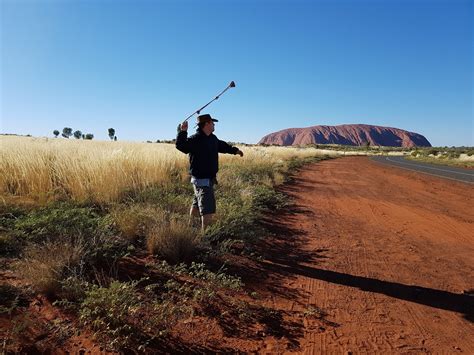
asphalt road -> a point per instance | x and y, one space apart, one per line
443 171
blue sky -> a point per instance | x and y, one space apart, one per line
143 66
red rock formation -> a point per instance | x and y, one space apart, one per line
347 134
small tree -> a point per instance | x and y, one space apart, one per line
67 132
89 136
77 134
115 138
56 133
111 133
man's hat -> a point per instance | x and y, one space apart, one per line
205 118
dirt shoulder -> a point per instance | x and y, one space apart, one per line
373 258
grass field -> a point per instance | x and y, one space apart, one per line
48 169
73 212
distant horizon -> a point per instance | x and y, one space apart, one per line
169 140
143 66
192 129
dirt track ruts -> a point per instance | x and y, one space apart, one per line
376 259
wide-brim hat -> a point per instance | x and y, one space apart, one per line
205 118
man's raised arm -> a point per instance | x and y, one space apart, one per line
182 142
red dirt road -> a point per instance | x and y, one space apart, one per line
373 259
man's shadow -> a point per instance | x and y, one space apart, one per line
286 256
460 303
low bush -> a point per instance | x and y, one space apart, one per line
173 198
11 298
200 285
173 240
109 310
218 279
9 244
59 220
232 220
136 220
125 317
266 198
46 265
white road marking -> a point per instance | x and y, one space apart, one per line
428 167
423 172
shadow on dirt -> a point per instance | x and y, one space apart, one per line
460 303
240 320
176 346
285 254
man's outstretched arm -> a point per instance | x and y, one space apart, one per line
226 148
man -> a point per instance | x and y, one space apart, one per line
203 149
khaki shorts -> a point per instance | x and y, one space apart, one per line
204 199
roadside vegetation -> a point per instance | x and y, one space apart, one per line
100 229
454 156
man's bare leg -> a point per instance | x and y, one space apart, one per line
206 221
193 214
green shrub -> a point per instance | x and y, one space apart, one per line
59 220
235 220
173 198
9 244
11 298
125 317
73 290
109 311
267 198
202 292
217 279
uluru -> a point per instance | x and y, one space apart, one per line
347 134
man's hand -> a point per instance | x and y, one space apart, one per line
239 152
184 126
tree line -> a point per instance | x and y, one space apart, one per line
67 133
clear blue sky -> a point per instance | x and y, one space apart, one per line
143 66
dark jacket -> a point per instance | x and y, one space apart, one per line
203 152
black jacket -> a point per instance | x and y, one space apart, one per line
203 152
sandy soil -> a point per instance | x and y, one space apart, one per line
373 259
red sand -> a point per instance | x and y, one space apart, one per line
388 261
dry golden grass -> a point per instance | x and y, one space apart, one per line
136 220
43 265
173 240
84 170
45 169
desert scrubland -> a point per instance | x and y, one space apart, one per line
78 218
307 254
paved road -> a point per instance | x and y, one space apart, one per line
447 172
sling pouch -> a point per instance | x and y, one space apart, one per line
200 182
